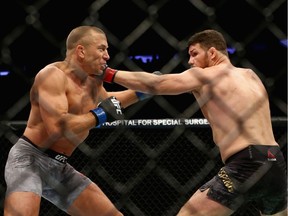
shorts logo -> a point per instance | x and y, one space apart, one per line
226 180
270 156
61 158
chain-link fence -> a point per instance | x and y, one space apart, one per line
143 35
147 167
144 170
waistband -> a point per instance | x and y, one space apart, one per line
49 152
257 152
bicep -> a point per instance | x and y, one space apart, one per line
52 99
174 84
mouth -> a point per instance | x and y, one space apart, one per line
104 67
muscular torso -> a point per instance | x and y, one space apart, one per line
81 97
237 108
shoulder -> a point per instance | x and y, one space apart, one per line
249 73
51 70
248 78
50 75
209 73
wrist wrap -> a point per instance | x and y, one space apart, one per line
109 75
100 115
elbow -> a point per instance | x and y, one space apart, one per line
153 91
61 128
149 90
154 88
54 134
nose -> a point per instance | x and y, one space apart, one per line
191 61
106 55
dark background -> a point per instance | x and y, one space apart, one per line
144 171
33 34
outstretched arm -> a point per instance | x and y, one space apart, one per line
166 84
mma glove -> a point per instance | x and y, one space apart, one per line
108 110
108 74
157 73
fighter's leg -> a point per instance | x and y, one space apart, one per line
92 201
200 204
22 203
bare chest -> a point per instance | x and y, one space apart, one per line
83 98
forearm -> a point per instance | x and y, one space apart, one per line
126 97
77 124
107 110
139 81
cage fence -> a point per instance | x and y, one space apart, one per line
146 167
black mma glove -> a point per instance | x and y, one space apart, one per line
108 110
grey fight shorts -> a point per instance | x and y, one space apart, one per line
30 169
255 174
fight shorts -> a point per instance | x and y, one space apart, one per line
258 174
45 173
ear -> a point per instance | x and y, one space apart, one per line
212 52
80 50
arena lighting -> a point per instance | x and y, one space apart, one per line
4 73
145 58
284 42
231 50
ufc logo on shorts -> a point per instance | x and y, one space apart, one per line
61 158
117 105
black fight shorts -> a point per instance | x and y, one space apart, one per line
257 174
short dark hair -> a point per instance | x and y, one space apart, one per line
209 38
78 33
